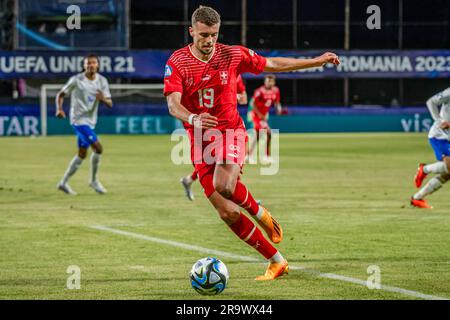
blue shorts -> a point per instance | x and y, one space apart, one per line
441 147
86 136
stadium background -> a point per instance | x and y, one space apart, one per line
343 199
374 90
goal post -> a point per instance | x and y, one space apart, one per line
119 92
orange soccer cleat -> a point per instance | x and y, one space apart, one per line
420 175
274 270
271 226
420 203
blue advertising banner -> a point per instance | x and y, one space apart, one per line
25 121
150 64
56 64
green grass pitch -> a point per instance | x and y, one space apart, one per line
343 200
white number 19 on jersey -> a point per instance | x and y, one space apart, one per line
206 97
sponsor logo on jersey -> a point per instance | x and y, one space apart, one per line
167 71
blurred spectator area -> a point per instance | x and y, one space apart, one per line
259 24
6 24
309 25
297 24
43 24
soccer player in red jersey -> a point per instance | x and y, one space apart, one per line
263 99
200 87
187 181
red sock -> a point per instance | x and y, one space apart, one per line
194 175
243 198
246 230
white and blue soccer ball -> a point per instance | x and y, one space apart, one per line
209 276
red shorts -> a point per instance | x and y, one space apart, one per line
258 123
218 148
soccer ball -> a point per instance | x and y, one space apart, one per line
209 276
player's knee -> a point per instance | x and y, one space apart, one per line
82 154
229 214
443 178
98 148
447 163
224 188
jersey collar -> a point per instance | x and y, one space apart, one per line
93 80
193 55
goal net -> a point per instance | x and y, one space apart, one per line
133 104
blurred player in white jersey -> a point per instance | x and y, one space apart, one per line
87 90
439 137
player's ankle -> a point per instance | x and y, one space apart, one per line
277 258
260 213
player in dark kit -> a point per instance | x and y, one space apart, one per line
200 86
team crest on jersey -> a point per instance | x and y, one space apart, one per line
167 71
251 52
224 77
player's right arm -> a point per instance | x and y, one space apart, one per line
173 90
433 106
59 105
67 89
177 110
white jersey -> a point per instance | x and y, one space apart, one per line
442 98
83 104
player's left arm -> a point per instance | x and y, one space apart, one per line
279 64
278 107
433 106
106 100
104 95
251 104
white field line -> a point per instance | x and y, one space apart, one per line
212 252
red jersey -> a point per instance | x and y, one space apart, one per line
210 86
264 99
240 86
